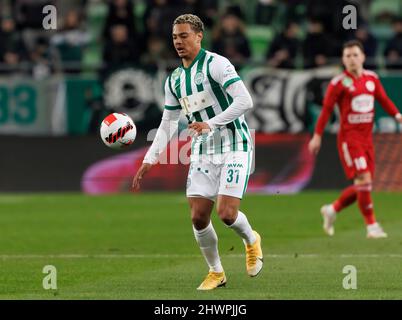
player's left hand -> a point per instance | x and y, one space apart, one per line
315 144
399 118
199 127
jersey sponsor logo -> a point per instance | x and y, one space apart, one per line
196 102
360 118
235 165
363 103
198 78
370 86
185 105
347 82
229 72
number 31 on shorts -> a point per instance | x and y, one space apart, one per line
233 175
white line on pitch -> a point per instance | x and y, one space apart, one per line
167 256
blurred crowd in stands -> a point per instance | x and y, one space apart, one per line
304 34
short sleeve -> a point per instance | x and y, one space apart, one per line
171 102
223 71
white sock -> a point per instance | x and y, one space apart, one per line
331 209
243 228
373 226
208 242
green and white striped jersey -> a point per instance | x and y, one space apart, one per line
200 91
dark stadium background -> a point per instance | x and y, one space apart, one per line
56 86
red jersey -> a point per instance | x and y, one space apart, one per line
355 98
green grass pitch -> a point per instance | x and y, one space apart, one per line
141 247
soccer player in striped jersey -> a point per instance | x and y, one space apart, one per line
354 90
207 88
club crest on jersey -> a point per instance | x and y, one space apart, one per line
198 78
370 86
347 82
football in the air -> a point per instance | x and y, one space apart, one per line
118 130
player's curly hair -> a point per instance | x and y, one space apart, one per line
195 22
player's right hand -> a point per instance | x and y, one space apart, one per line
315 144
145 167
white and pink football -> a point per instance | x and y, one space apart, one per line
118 130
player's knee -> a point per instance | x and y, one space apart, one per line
199 219
363 178
227 213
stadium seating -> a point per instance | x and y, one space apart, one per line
260 37
96 15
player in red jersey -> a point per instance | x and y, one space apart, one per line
354 91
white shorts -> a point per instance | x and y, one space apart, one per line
225 174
